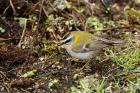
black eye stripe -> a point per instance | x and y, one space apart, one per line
67 41
65 36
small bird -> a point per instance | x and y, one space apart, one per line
82 45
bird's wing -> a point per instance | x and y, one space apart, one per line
110 42
78 48
95 45
90 46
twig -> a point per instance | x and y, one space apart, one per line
25 13
24 90
137 30
3 40
19 44
40 11
80 19
7 88
12 6
109 28
49 65
50 23
45 12
4 75
4 81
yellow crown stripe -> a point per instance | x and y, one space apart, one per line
82 36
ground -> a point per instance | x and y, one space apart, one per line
31 61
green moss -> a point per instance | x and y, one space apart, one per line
134 15
53 49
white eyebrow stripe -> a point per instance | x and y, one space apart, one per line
68 38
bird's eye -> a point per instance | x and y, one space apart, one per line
67 41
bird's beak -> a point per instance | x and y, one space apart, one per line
61 43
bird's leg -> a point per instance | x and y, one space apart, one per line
85 64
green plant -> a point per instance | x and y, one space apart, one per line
93 21
2 30
3 17
3 43
30 73
108 22
35 27
99 58
60 4
127 60
126 7
68 4
75 76
53 49
134 86
138 1
21 21
78 9
93 87
108 9
53 83
49 29
134 15
32 17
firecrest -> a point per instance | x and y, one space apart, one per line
82 45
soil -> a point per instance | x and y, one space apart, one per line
22 51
